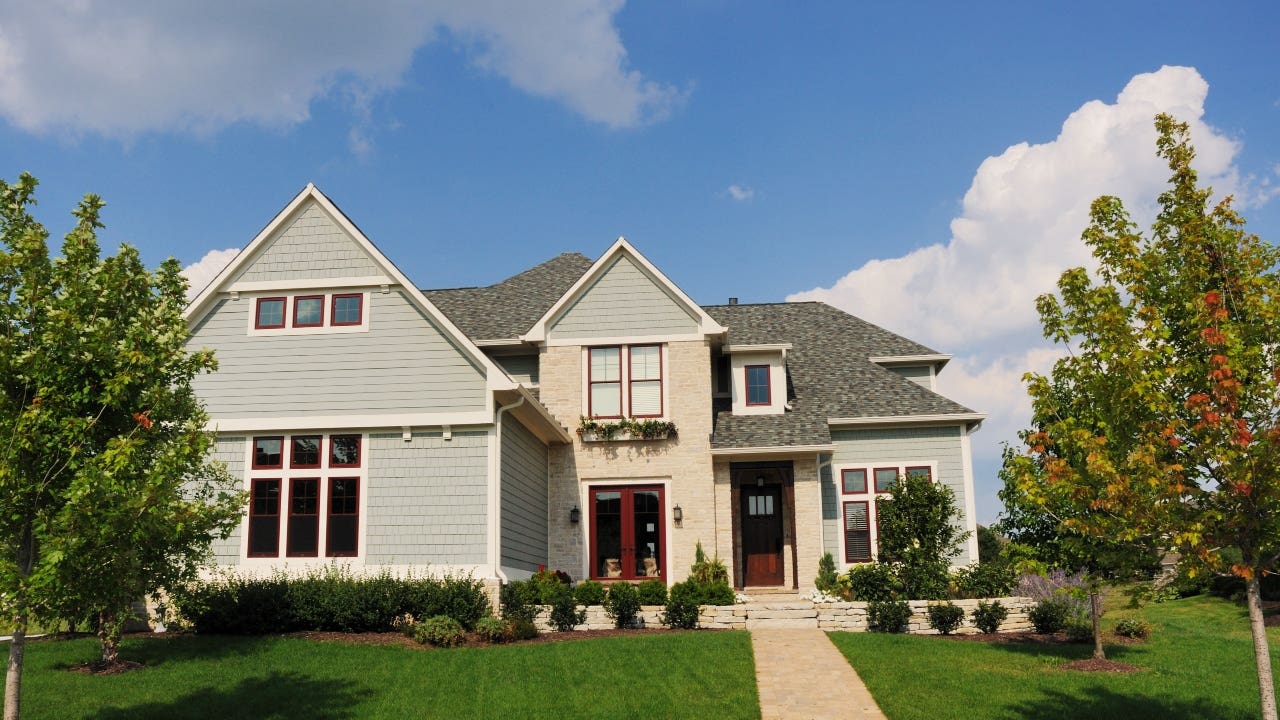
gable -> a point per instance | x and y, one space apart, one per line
309 245
624 301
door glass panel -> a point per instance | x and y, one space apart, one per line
608 531
647 516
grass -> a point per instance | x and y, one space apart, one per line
670 675
1199 663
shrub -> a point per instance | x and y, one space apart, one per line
682 606
888 616
565 615
652 592
1133 628
718 593
873 582
987 580
441 631
707 571
519 601
826 582
546 584
622 603
1079 631
460 597
945 617
492 630
988 616
1052 615
590 592
522 629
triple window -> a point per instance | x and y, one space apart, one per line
859 487
316 497
309 311
624 380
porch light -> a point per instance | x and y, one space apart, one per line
575 515
759 481
678 515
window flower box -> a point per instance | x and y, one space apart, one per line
625 430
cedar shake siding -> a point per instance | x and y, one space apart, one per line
623 302
311 246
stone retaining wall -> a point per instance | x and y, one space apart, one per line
843 616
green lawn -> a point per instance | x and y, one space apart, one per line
1199 660
707 674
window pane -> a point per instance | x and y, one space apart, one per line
264 518
308 311
857 533
343 520
344 450
267 452
608 534
646 397
646 362
270 312
606 399
885 478
346 309
920 472
606 364
304 518
647 515
758 385
854 481
306 451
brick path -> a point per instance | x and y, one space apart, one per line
802 676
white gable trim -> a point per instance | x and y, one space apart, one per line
496 378
969 420
937 360
707 326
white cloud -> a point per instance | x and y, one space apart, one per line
200 272
131 66
740 193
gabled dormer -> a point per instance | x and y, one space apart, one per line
920 369
758 378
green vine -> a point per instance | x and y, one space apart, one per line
651 429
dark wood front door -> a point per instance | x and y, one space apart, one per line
762 535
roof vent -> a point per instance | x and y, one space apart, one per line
733 301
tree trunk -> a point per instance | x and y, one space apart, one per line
109 637
1261 651
13 676
1095 614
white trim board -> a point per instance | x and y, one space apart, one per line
971 420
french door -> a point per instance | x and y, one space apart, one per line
628 536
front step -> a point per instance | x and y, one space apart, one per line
771 595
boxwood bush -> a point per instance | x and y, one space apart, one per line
623 603
988 616
590 592
682 606
652 592
945 617
888 616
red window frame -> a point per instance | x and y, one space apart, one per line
296 516
844 523
591 382
928 471
293 439
768 385
253 462
631 381
359 450
844 488
330 515
257 313
628 530
255 515
333 309
876 485
298 299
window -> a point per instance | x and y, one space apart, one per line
267 452
758 391
308 311
344 450
347 309
264 518
344 516
627 532
860 521
853 481
760 505
885 478
604 382
646 380
305 452
270 313
304 518
857 532
919 471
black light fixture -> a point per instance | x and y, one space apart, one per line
678 515
759 481
575 515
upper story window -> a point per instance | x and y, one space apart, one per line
348 309
309 314
308 311
637 368
758 390
757 378
270 313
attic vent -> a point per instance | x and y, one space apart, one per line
733 301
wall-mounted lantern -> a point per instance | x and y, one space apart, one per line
678 515
575 515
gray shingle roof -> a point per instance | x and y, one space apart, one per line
509 308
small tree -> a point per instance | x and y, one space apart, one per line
920 530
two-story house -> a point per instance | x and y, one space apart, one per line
389 426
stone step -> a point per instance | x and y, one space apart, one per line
778 623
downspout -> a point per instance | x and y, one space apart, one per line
496 553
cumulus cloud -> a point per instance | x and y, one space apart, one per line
200 272
132 66
1018 228
740 193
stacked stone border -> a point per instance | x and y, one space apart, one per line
829 616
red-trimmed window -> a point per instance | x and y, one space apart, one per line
923 471
268 452
628 535
304 518
344 451
885 478
853 481
645 379
604 382
857 532
264 518
269 313
344 517
758 390
348 309
304 451
308 311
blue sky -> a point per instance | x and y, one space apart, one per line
924 166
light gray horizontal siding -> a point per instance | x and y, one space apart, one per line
896 446
524 497
522 368
830 511
623 301
403 364
310 246
230 449
427 499
918 374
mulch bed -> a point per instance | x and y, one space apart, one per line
1106 666
98 667
402 640
1032 638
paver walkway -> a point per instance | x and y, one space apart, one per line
801 675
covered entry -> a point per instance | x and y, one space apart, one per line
763 524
